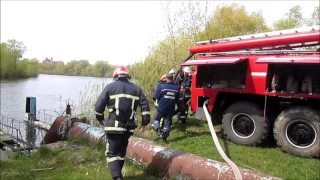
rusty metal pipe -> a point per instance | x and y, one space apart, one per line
175 163
53 134
87 131
164 160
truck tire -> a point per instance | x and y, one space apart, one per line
297 131
243 123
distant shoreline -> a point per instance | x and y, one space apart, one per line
73 75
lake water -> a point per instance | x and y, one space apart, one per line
51 92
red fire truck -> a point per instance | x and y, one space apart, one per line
259 84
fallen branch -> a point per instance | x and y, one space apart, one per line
98 169
41 169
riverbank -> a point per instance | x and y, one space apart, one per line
76 75
87 161
15 78
67 160
195 138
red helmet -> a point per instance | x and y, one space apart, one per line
164 77
120 70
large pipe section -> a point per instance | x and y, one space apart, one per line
164 160
175 163
258 42
88 132
53 134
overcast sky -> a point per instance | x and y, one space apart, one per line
120 32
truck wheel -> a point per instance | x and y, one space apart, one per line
243 123
297 131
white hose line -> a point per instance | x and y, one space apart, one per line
234 167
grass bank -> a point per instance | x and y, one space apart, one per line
67 160
81 160
195 138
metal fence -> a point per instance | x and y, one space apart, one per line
47 116
12 128
26 133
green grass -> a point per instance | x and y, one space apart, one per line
195 138
85 163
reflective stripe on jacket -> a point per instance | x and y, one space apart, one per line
122 99
167 95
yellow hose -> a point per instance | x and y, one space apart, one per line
234 167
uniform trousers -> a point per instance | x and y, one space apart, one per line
116 148
167 121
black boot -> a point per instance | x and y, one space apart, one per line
165 140
117 178
159 135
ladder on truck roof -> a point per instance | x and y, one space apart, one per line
276 40
259 35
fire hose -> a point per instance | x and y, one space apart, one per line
234 167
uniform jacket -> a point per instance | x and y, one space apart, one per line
179 79
122 99
167 95
186 85
154 94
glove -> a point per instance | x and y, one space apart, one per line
130 125
145 119
99 117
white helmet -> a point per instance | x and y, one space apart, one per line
171 71
186 69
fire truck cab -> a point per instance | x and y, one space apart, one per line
261 84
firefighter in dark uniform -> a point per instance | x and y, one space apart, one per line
122 98
185 94
172 72
162 80
167 95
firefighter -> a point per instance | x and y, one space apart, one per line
168 96
122 98
180 76
185 94
162 80
172 72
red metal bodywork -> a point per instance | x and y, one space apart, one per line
256 76
315 59
255 79
255 84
